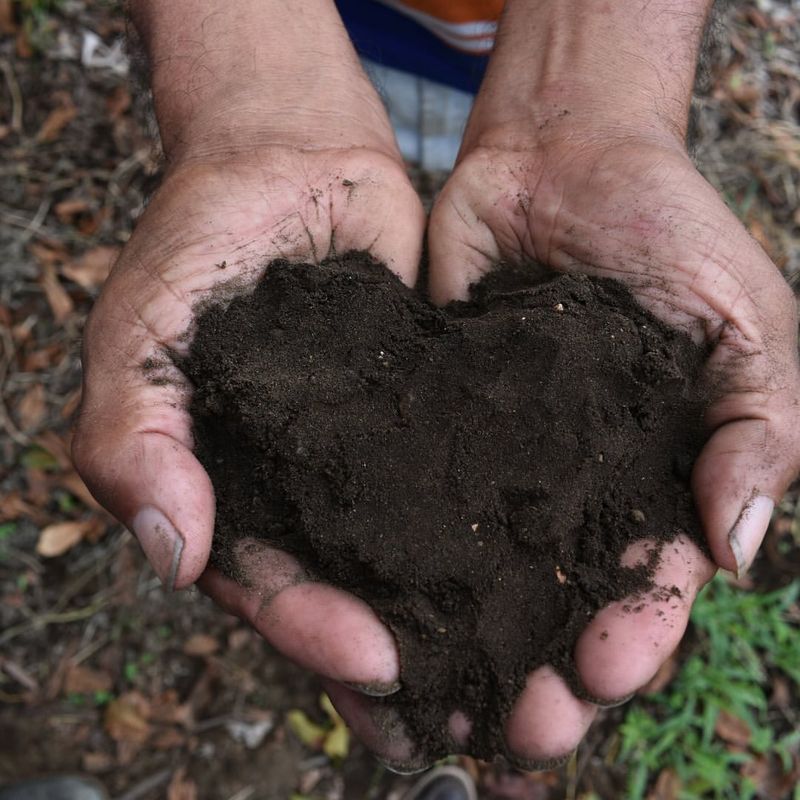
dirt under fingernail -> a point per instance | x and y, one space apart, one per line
474 473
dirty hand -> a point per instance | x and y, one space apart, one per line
267 158
574 157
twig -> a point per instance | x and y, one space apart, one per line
16 95
32 228
5 418
43 620
144 787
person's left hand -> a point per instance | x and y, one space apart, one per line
637 210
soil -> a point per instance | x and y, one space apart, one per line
474 472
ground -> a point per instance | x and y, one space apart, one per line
159 696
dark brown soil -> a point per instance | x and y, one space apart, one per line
473 472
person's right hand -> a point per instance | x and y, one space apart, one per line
295 180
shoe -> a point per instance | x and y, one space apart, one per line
441 783
58 788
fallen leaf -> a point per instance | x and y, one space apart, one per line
167 708
667 786
50 253
126 718
71 403
44 358
60 302
97 762
31 408
308 732
770 780
67 209
732 730
91 269
200 644
23 45
118 102
181 787
84 680
56 121
12 507
74 484
168 739
57 446
57 539
7 23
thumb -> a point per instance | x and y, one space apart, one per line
132 444
754 452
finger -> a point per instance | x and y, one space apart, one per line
625 644
461 246
132 446
548 722
318 626
379 728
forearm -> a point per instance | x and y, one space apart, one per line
603 65
257 72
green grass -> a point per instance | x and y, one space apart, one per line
742 638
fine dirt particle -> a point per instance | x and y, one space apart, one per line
345 419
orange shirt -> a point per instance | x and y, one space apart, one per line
468 25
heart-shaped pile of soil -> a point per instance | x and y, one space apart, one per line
474 473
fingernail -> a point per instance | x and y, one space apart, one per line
746 535
161 543
374 689
538 765
602 703
400 768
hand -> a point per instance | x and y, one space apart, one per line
635 209
297 178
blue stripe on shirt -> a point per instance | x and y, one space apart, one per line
389 37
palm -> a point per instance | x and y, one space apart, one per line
642 214
208 226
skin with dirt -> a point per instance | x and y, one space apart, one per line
475 473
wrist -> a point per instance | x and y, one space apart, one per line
230 78
598 72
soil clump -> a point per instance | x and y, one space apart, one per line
474 473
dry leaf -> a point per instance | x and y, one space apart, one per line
97 762
74 484
181 787
84 680
57 539
92 268
50 253
22 45
71 403
67 209
732 730
32 407
126 718
60 302
118 102
45 358
12 507
56 121
7 23
57 446
771 782
200 644
667 786
168 739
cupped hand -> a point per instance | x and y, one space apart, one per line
217 221
636 209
